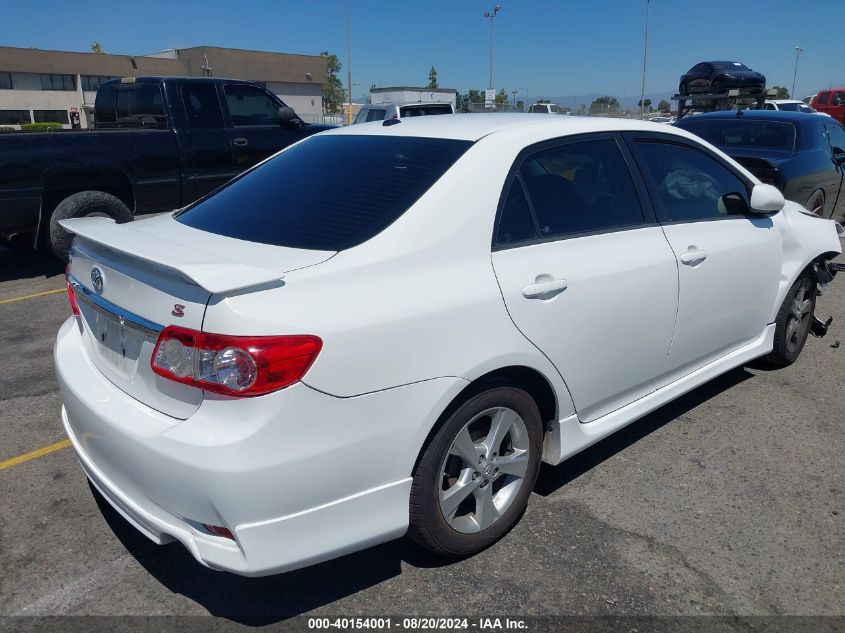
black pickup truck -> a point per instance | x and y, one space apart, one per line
160 143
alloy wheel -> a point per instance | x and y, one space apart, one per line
800 313
484 470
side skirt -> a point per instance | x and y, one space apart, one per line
569 436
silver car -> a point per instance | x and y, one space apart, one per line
384 111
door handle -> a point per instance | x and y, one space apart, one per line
240 141
544 289
693 257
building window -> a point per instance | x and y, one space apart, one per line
92 83
58 82
14 117
5 81
50 116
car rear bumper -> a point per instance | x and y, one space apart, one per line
297 476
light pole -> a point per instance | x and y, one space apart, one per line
348 66
798 51
645 60
491 15
513 92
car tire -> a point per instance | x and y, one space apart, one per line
81 205
473 480
815 204
683 89
792 324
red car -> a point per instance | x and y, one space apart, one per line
831 102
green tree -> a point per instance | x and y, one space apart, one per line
604 104
333 93
432 78
647 103
782 93
501 97
664 106
520 106
96 48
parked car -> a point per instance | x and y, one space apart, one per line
666 120
160 143
803 156
328 363
790 105
545 108
719 77
384 111
831 102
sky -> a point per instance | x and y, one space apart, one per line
541 47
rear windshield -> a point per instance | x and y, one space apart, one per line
327 193
777 135
425 110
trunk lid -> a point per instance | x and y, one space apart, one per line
132 280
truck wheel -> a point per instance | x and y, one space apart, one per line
815 204
85 204
474 478
793 321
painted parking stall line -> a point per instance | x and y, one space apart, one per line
39 452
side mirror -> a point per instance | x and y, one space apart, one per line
287 116
766 199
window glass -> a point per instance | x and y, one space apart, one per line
515 221
202 107
5 81
104 115
360 117
288 201
838 98
58 82
140 105
581 187
823 97
837 137
50 116
424 110
249 105
739 132
14 117
690 184
376 115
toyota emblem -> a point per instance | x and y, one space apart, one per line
97 280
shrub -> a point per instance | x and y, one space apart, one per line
6 130
40 127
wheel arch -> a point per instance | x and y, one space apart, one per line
529 379
60 184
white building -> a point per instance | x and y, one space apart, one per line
409 94
57 86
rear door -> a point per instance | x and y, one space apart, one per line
586 274
207 155
729 261
255 128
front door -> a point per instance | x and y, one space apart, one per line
256 130
729 260
586 275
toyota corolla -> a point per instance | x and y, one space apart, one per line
386 328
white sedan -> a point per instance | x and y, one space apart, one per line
386 328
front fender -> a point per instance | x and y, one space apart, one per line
805 238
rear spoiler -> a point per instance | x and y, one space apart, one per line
212 272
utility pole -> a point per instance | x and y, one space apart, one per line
798 51
491 15
645 61
348 66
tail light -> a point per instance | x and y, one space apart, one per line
233 365
74 306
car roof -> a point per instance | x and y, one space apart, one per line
724 62
404 104
472 127
783 101
771 115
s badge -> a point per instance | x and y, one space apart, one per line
178 310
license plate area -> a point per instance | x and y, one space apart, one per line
118 343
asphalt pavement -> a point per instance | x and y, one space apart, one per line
728 501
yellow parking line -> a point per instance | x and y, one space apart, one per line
33 295
40 452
